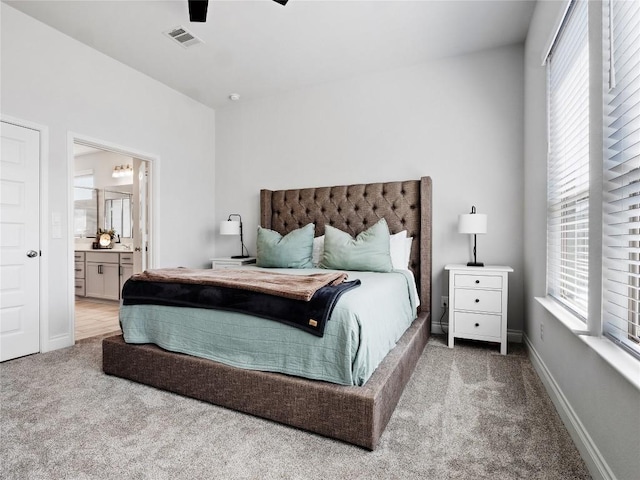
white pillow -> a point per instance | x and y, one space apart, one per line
318 250
399 249
408 243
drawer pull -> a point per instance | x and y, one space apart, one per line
477 281
477 324
78 286
477 300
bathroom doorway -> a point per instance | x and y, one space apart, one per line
112 232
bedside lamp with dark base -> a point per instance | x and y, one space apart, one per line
234 227
473 224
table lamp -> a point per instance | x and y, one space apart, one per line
234 227
474 224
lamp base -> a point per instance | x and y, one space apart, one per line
475 264
240 256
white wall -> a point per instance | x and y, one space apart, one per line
52 80
457 120
590 395
102 164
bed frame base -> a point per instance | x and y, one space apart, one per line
356 415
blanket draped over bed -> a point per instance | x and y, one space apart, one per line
305 302
289 286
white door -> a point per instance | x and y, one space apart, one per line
19 241
141 216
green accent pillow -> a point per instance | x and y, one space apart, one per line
369 251
294 250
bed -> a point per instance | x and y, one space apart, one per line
355 414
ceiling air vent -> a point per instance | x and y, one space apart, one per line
183 37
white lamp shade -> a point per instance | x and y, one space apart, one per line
475 223
230 227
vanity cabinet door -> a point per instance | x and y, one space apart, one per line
102 280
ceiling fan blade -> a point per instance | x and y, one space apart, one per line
198 10
281 2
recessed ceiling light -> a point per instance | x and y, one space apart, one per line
234 97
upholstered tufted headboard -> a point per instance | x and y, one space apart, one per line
354 208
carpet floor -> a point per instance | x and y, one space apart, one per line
467 413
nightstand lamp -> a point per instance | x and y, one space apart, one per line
474 224
234 227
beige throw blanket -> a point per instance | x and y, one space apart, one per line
297 287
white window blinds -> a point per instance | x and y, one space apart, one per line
568 163
621 268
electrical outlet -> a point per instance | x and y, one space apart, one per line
444 301
541 331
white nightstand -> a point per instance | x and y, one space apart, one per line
478 303
228 262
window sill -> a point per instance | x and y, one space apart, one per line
564 316
624 363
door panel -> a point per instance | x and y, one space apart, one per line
19 236
140 216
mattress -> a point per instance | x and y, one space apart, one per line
365 325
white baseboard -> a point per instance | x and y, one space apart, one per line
61 341
597 465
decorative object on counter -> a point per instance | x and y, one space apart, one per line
105 238
234 227
474 224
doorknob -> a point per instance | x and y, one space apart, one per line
32 253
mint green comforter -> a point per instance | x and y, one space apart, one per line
365 325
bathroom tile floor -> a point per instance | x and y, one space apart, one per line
95 317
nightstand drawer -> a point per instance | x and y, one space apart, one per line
478 300
223 266
480 281
477 324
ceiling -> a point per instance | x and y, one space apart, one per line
259 48
80 150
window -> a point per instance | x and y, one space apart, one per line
568 163
117 212
621 265
85 212
575 120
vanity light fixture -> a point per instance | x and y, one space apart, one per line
234 227
474 224
120 171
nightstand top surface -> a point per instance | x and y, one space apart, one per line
486 268
233 260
